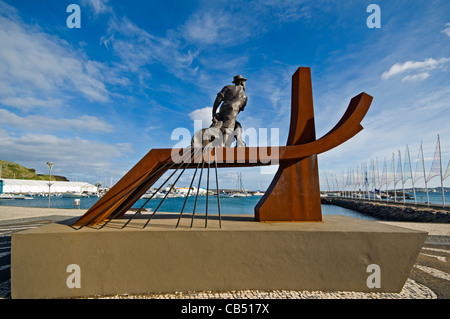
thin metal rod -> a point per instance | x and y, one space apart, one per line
127 193
170 189
109 206
161 186
198 188
140 209
217 188
113 215
165 181
207 187
187 196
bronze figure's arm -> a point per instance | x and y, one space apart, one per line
217 102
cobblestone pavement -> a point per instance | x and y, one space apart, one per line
429 278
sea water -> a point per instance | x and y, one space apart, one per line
434 198
228 205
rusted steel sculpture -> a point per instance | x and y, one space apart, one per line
294 193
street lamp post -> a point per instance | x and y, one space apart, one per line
50 165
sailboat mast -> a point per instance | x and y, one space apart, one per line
401 175
424 174
412 176
440 173
239 184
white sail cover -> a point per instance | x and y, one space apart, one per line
436 165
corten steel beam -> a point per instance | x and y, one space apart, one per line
294 192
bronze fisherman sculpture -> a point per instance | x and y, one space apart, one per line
224 129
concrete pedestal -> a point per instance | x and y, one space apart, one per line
334 254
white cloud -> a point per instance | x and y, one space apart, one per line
386 129
416 77
137 48
207 28
99 6
217 27
33 63
447 29
180 49
215 24
203 114
84 123
71 156
28 103
411 66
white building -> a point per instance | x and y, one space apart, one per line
24 186
184 190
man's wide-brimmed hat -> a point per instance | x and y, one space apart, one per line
238 78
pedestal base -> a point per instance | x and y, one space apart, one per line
328 256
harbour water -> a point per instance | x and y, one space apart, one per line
228 205
435 198
421 197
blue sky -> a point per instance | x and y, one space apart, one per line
95 100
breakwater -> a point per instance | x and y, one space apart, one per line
392 211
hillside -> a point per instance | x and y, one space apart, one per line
13 170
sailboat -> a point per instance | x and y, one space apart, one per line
241 192
224 194
258 192
74 195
